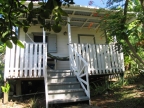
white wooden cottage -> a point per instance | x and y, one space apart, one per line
81 41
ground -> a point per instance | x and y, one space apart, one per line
128 96
125 97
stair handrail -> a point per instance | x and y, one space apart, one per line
80 68
45 73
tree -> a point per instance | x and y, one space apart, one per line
129 32
12 10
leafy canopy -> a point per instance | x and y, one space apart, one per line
12 10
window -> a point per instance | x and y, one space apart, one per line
51 40
39 39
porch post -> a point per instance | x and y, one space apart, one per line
69 39
44 36
45 66
69 30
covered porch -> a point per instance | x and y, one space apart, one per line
98 57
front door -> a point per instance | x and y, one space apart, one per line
84 38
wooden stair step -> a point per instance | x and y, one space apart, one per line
61 77
60 74
63 83
66 100
56 79
64 91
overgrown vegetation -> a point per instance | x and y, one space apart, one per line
5 88
126 23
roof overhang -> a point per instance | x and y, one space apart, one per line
82 16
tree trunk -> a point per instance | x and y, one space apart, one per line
5 98
133 51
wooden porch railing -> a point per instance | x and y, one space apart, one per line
25 62
101 59
80 68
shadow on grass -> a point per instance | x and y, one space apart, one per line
129 96
135 102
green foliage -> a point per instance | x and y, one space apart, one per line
12 10
1 76
6 88
127 25
97 88
33 103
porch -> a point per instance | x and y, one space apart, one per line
31 62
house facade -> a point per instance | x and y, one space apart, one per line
81 40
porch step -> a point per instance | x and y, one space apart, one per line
64 94
54 79
59 73
66 100
64 91
64 87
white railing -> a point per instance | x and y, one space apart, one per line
25 62
101 58
80 68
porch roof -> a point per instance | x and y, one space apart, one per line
85 16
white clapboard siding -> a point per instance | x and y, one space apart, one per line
25 62
101 59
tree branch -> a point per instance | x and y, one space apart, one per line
142 4
9 17
123 21
133 51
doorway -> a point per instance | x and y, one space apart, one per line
86 38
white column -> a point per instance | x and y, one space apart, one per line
69 31
44 36
69 39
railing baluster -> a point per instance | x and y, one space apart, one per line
22 62
108 58
31 60
95 59
17 61
26 59
39 60
35 60
12 69
7 63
